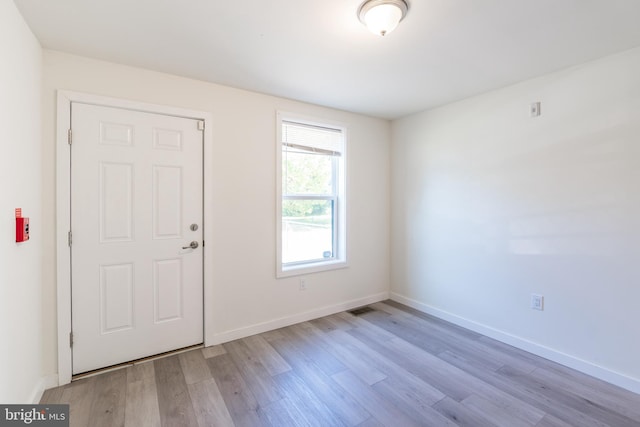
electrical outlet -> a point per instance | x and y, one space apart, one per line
537 302
535 109
303 284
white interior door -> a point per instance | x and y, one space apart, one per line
136 206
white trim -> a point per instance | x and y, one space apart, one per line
36 393
342 260
600 372
310 267
43 384
63 254
282 322
63 211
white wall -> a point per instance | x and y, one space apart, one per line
490 205
20 180
247 295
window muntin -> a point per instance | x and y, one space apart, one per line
311 214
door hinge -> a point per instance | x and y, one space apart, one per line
203 243
69 238
70 339
69 136
200 124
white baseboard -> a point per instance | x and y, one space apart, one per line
616 378
296 318
43 384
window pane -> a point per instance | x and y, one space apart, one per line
306 173
307 230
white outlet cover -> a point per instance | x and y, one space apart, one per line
535 109
537 302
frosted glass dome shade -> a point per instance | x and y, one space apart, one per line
382 16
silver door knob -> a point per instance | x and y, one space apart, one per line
192 245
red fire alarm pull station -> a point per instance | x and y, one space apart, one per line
22 227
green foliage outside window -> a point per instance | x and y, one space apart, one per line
307 174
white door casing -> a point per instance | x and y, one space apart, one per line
126 320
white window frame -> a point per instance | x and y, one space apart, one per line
339 260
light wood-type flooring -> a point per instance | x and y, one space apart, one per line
392 366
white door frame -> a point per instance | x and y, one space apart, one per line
63 211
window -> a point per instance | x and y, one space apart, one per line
311 196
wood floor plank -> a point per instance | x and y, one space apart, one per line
371 422
452 384
447 379
411 402
253 418
391 324
208 404
595 413
272 361
174 400
489 356
256 376
397 377
284 413
433 337
358 322
459 331
314 410
240 401
322 385
194 366
461 415
52 395
534 398
344 320
596 395
272 335
140 371
499 416
314 349
383 411
79 395
551 421
331 323
141 407
495 395
358 362
405 390
615 392
108 404
324 324
213 351
466 341
508 349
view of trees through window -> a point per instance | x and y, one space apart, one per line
308 206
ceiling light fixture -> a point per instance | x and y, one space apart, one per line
382 16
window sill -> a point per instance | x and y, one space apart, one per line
315 267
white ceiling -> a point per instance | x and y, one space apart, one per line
317 50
